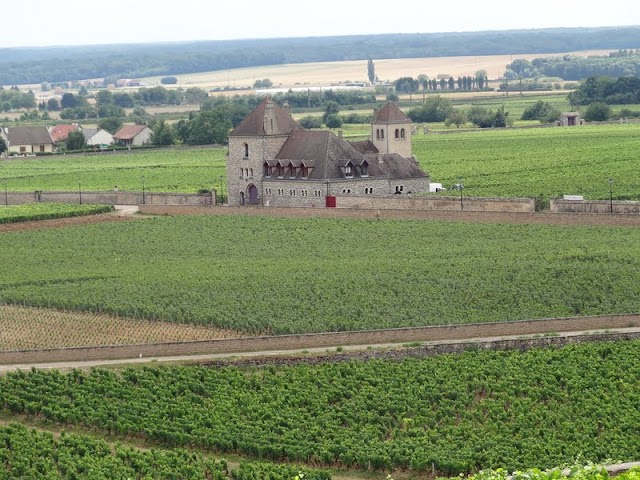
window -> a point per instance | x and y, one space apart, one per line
382 134
402 133
246 172
272 124
246 150
371 190
377 134
23 149
347 170
251 172
397 133
304 171
42 148
241 172
364 169
292 171
280 171
268 170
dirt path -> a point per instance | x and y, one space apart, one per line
111 217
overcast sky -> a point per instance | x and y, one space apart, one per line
89 22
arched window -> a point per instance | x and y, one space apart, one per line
246 172
272 124
397 133
377 134
402 133
382 134
246 150
251 172
241 172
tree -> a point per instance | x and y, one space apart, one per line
53 104
111 124
264 83
69 100
331 108
457 118
168 80
371 71
597 112
75 141
195 96
333 121
163 134
311 122
123 100
210 127
543 111
434 109
3 145
104 97
406 85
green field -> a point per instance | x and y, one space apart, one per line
47 211
503 163
450 413
529 162
167 170
272 275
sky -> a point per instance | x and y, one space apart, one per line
91 22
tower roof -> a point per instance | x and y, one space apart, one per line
254 123
390 114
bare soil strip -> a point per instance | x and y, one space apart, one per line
64 222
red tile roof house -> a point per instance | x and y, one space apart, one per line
59 133
133 135
28 140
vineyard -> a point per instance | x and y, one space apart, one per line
30 454
528 163
22 329
497 163
47 211
277 276
447 414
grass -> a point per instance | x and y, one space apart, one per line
47 211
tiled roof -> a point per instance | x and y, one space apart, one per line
390 114
128 132
254 123
29 136
60 133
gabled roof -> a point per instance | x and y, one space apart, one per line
395 166
254 123
128 132
29 136
390 114
365 146
89 132
60 133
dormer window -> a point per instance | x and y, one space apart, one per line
304 171
364 169
348 172
245 149
292 171
280 171
267 170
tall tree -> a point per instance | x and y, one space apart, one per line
371 71
75 141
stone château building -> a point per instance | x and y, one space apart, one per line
274 161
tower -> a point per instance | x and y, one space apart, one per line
391 131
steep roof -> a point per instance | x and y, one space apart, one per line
390 114
60 133
255 124
29 136
89 132
329 154
365 146
128 132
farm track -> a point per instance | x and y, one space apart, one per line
65 222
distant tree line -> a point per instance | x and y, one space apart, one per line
36 65
620 91
621 63
12 98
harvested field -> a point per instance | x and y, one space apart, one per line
21 328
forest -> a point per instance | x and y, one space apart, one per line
61 64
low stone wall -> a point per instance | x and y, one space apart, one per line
302 341
109 198
594 206
470 204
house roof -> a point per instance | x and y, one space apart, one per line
89 132
128 132
390 113
28 136
60 133
258 122
328 154
365 146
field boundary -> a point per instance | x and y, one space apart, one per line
550 326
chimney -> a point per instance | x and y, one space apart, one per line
285 106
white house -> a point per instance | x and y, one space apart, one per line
97 137
133 135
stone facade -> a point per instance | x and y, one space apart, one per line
273 161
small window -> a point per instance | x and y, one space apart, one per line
371 190
23 149
251 172
402 133
304 171
377 134
272 124
292 171
364 169
268 170
246 172
382 134
241 172
246 150
280 171
397 133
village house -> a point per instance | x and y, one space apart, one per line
96 137
274 161
133 135
59 133
27 140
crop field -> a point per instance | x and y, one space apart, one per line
447 414
167 170
21 328
531 162
278 276
46 211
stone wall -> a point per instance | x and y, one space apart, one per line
594 206
470 204
448 333
109 198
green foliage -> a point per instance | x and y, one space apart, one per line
454 413
210 127
406 85
47 211
111 125
541 110
456 117
163 133
168 80
624 90
265 83
271 471
371 71
434 109
311 122
597 112
333 120
14 99
75 141
485 118
3 145
515 272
